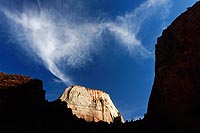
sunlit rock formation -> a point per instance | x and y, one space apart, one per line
91 105
175 96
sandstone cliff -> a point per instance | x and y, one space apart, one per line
175 96
18 92
91 105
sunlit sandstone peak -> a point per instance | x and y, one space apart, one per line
91 105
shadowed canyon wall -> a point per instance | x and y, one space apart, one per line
17 91
175 96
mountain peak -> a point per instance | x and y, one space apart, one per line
90 104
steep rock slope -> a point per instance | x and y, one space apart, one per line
91 105
18 92
175 96
22 100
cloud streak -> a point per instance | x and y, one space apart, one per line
63 43
126 28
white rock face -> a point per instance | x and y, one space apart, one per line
91 105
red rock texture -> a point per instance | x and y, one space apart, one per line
175 95
12 80
18 92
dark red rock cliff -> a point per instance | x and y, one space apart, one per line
22 100
175 96
18 92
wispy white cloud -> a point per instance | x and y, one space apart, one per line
61 43
126 28
129 40
40 33
57 43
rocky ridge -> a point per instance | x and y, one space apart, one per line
91 105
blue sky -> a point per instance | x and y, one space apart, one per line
98 44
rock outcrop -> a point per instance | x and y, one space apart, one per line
18 92
175 96
91 105
22 102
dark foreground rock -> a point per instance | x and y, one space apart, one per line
175 96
